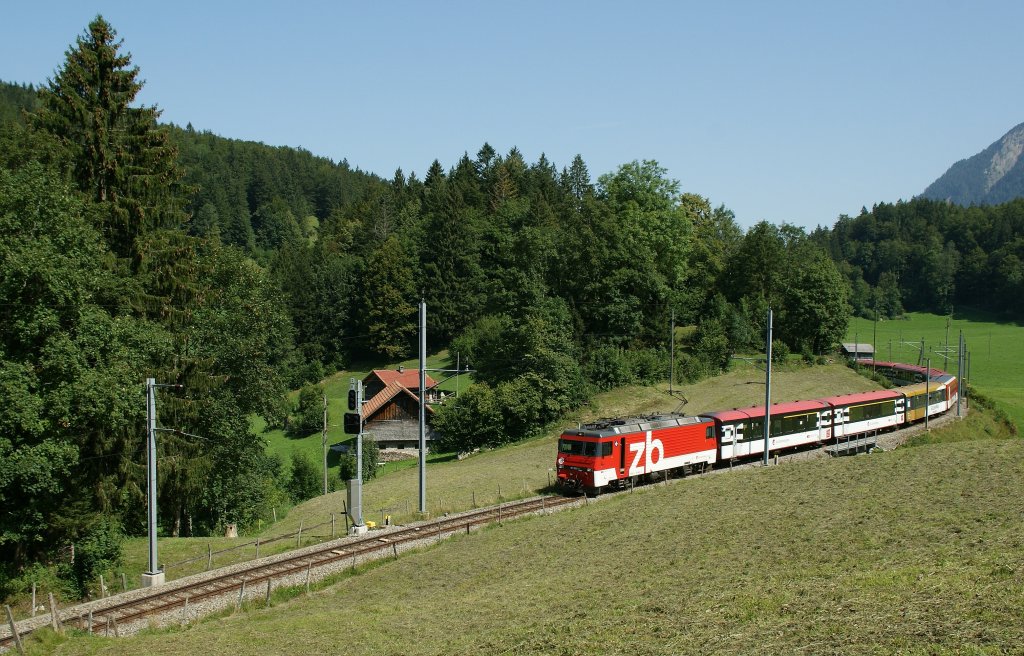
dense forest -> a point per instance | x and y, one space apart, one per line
933 256
233 271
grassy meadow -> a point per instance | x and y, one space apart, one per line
912 551
997 350
513 472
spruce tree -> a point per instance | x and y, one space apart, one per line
119 156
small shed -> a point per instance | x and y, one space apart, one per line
857 351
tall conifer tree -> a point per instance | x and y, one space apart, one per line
119 156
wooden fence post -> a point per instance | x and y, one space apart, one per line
298 536
124 583
90 621
266 601
309 565
241 593
184 611
332 526
34 602
257 547
103 588
54 620
209 555
14 629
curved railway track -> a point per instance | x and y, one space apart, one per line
287 569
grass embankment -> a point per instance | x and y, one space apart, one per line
519 470
997 350
911 551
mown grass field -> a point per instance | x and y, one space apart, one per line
997 350
913 551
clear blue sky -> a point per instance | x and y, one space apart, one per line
783 111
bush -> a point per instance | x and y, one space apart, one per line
692 369
712 345
16 581
780 352
97 551
309 412
520 402
307 479
608 368
648 366
371 456
470 421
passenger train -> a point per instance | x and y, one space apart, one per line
617 452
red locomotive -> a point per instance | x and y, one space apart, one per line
615 451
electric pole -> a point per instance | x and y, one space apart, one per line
354 426
153 575
927 391
423 406
672 351
323 440
767 385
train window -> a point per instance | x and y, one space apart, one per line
793 424
581 448
753 430
577 447
872 411
709 432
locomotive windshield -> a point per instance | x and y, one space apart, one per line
581 448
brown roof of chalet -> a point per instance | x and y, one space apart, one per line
409 378
383 397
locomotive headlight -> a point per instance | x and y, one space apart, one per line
561 461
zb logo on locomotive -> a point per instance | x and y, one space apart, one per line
646 455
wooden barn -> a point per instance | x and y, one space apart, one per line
392 408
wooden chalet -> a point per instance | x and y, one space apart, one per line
392 408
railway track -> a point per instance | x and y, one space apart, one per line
251 580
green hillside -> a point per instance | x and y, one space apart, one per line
996 348
517 471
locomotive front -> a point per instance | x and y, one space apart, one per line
581 461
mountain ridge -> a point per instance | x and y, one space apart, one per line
993 176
